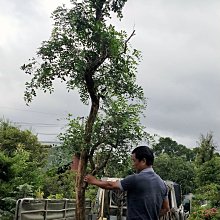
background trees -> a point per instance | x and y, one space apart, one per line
12 139
207 172
24 175
176 169
172 148
25 170
206 149
22 158
174 162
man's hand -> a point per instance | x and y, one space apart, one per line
165 207
90 179
103 184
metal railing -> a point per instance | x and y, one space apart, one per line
46 209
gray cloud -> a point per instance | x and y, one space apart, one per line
179 72
180 68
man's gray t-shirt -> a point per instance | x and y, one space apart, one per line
145 194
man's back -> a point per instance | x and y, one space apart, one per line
145 194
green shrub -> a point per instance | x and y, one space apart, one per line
205 214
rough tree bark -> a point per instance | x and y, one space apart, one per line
80 186
84 155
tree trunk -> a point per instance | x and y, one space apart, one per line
84 155
81 186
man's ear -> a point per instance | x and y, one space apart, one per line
144 160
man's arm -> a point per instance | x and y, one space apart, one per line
102 184
165 207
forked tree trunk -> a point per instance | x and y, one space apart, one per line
83 162
80 187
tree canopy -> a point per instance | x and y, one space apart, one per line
86 53
206 148
172 148
176 169
116 130
12 138
22 158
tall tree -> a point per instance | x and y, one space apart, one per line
206 149
176 169
22 159
208 172
172 148
13 138
90 55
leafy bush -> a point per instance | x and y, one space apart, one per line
62 184
205 214
210 193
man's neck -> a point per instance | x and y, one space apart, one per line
144 168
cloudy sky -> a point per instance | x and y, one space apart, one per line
180 44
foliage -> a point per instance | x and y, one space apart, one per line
12 138
176 169
172 148
119 166
24 190
56 196
7 208
115 130
38 194
84 50
59 185
91 193
21 158
209 193
205 214
19 171
8 203
17 179
208 172
206 149
21 164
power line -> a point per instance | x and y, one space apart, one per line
16 109
52 142
38 124
45 133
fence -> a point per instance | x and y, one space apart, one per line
45 209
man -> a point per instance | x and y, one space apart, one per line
147 197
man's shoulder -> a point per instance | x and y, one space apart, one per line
129 177
128 182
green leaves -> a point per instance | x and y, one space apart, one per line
115 130
13 139
172 148
209 172
209 192
206 149
176 169
82 43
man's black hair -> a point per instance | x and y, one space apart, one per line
144 152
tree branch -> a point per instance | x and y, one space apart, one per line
99 9
94 147
126 42
101 166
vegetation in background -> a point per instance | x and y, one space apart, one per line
23 176
23 170
176 169
22 159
